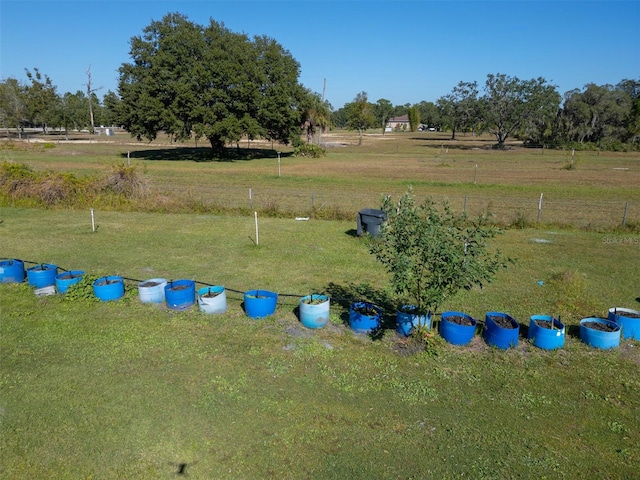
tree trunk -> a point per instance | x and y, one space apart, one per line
217 144
360 140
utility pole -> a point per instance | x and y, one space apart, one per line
324 87
89 92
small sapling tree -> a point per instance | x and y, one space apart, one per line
432 253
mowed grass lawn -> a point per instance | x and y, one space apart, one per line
121 389
129 390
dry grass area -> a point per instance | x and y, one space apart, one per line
420 157
353 176
432 157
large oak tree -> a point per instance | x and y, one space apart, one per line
511 105
206 81
596 113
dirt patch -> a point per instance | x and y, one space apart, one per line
631 350
546 324
602 327
460 320
502 322
628 314
210 294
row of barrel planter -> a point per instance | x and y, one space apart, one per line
178 294
43 277
500 329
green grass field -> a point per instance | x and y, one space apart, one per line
121 389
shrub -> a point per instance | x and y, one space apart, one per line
309 150
432 253
14 176
53 189
125 180
571 161
521 221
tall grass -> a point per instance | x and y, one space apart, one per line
21 185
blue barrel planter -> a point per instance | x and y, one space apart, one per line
364 317
109 288
180 294
314 310
408 317
66 279
260 303
501 330
212 299
455 333
542 335
43 275
629 321
152 290
600 333
11 271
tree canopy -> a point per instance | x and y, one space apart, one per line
12 106
460 108
41 98
315 113
193 81
360 114
510 103
596 113
206 81
383 110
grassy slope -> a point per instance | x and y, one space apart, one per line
124 390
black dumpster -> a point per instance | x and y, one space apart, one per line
369 221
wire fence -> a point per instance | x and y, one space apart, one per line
521 210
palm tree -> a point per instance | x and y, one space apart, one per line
315 113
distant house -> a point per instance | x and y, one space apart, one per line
398 123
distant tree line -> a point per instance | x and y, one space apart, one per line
532 111
195 81
36 104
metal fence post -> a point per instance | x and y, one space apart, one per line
540 207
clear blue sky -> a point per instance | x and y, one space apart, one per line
404 51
